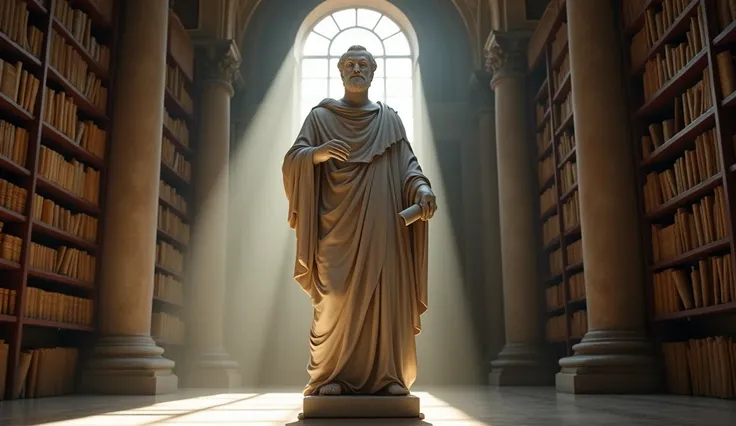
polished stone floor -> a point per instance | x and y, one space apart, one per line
446 406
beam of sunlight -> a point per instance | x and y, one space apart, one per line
255 409
447 351
270 314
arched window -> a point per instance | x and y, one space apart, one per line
382 36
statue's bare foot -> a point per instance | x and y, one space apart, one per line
330 389
397 389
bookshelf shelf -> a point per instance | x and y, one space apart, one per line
563 90
566 124
180 147
64 145
724 308
675 86
10 107
165 236
547 151
567 194
730 100
675 145
167 302
692 255
57 325
7 215
63 236
544 120
166 271
15 51
8 265
11 166
85 106
59 279
543 91
569 157
686 197
726 37
8 319
175 107
62 194
183 216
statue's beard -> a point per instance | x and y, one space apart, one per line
355 84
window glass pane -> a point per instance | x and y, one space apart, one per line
337 90
398 88
397 45
313 67
313 90
386 27
409 127
315 45
402 105
368 18
327 27
399 67
334 72
377 90
345 18
353 36
381 68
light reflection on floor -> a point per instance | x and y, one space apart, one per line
443 406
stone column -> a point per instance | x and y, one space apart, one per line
211 365
615 355
486 181
125 359
519 362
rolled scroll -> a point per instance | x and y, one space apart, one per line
411 214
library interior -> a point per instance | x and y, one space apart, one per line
579 269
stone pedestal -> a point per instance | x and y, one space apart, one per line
520 361
125 359
211 365
615 356
360 407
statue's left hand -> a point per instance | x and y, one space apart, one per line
427 201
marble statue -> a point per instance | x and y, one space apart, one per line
348 175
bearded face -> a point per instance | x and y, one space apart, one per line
356 71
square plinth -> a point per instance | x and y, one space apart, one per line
360 406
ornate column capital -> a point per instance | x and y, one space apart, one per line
506 54
220 62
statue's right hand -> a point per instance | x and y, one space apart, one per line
335 148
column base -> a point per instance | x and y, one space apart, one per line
610 362
129 365
520 364
214 370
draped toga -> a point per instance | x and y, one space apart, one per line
364 270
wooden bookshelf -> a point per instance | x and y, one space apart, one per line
682 82
561 250
54 125
175 193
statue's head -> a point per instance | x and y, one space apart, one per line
357 66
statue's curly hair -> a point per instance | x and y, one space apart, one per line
357 48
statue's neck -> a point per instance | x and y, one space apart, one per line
356 99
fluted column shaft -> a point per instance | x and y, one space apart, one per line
615 355
126 360
519 361
212 366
